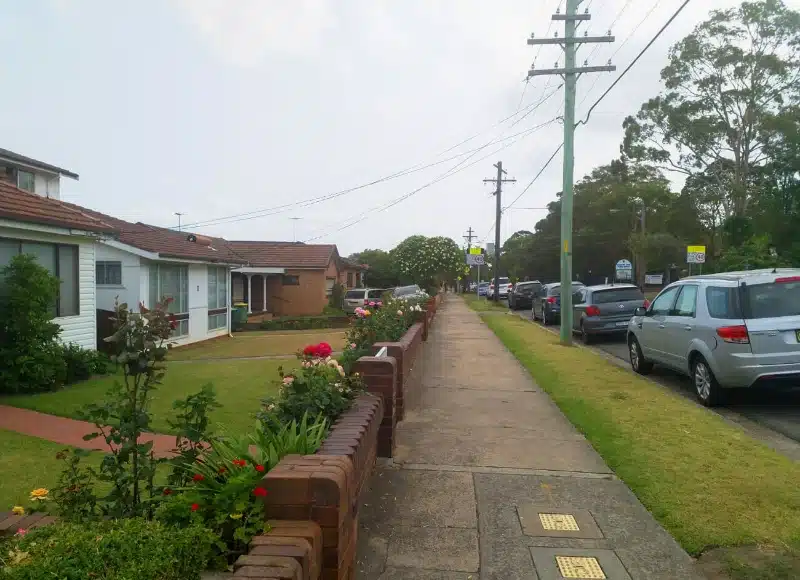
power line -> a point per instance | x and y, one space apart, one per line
450 172
624 42
266 212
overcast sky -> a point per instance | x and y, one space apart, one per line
218 107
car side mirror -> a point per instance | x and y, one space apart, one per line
641 311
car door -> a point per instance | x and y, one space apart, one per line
680 328
652 335
580 299
537 301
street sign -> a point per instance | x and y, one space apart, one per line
654 279
475 260
475 251
624 270
695 254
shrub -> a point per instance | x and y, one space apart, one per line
336 299
320 387
132 549
28 346
385 324
81 363
304 322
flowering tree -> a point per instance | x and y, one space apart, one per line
429 261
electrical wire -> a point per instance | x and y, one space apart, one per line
597 102
450 172
623 43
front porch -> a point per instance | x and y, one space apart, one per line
254 286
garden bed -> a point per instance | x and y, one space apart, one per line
299 323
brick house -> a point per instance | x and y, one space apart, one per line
290 278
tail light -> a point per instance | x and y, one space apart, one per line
592 311
734 334
551 300
786 279
646 304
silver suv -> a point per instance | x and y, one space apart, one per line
737 329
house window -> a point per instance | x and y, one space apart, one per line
217 298
291 280
60 260
25 180
108 273
349 279
171 281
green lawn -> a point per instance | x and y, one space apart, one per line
707 482
25 464
481 304
252 344
240 386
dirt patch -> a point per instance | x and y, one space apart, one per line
751 563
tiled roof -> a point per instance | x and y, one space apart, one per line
285 254
19 205
17 158
348 263
165 242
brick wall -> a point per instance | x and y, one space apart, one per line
380 376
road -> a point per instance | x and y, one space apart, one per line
769 416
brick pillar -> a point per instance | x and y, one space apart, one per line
397 352
380 376
319 488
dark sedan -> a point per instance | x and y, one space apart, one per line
522 295
605 310
547 302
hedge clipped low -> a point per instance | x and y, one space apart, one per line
305 322
132 549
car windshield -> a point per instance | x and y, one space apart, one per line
484 284
616 295
503 281
406 290
354 294
772 300
556 290
375 293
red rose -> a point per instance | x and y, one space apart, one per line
198 477
260 492
260 468
222 470
167 491
310 350
324 350
195 507
239 462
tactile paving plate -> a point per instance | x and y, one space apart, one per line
559 522
579 567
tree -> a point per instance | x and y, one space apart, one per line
382 272
724 82
428 261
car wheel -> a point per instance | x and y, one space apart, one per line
586 338
706 387
638 362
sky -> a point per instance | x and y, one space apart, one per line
248 108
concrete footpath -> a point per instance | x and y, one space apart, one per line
490 481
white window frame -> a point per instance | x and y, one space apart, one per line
179 307
218 297
104 264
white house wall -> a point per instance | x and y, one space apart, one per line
130 291
80 329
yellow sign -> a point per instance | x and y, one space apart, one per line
566 247
474 250
696 250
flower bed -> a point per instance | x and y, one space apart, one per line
300 323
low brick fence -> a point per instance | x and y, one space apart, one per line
313 500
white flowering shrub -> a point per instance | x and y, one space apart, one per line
429 261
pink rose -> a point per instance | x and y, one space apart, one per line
288 380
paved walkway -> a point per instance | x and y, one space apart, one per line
68 431
481 454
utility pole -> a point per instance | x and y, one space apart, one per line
469 237
498 181
570 74
179 214
642 262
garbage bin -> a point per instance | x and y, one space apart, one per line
238 315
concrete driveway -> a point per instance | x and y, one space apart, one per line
772 417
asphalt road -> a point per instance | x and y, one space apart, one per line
778 412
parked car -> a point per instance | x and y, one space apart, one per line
605 310
737 329
410 292
522 295
503 290
361 297
547 302
483 289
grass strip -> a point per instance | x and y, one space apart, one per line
708 483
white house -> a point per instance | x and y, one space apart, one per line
31 175
63 240
143 264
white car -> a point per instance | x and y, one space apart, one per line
505 287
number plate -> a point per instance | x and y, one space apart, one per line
622 324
